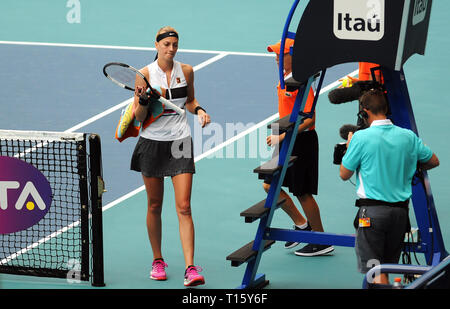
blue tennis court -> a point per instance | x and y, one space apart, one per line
62 88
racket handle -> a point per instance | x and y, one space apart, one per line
169 104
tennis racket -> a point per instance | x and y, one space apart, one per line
125 75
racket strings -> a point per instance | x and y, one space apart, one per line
123 75
127 77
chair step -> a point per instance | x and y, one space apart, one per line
271 167
246 253
284 124
292 84
258 210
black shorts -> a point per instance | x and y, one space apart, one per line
382 242
163 158
303 176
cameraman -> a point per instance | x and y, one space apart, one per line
385 158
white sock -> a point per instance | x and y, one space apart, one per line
303 226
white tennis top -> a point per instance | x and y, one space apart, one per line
170 126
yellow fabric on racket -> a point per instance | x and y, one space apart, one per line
128 126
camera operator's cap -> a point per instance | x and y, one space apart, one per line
275 48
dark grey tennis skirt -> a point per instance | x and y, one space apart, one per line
163 158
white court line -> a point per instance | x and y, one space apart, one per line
226 143
142 188
197 51
39 242
128 101
262 123
78 126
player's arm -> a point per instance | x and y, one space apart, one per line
140 88
191 102
141 110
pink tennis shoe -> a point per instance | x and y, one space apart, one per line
158 270
191 276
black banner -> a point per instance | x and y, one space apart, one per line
417 30
331 32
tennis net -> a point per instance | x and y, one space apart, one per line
67 241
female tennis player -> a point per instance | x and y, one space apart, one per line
164 149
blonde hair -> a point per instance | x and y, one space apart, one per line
164 30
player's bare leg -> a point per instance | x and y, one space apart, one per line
155 192
182 185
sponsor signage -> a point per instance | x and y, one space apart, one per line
25 195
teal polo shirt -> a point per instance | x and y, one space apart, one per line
385 158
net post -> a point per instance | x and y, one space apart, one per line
84 210
97 189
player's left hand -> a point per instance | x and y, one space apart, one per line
203 118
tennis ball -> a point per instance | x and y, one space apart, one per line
346 82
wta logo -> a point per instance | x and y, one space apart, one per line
25 195
359 20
